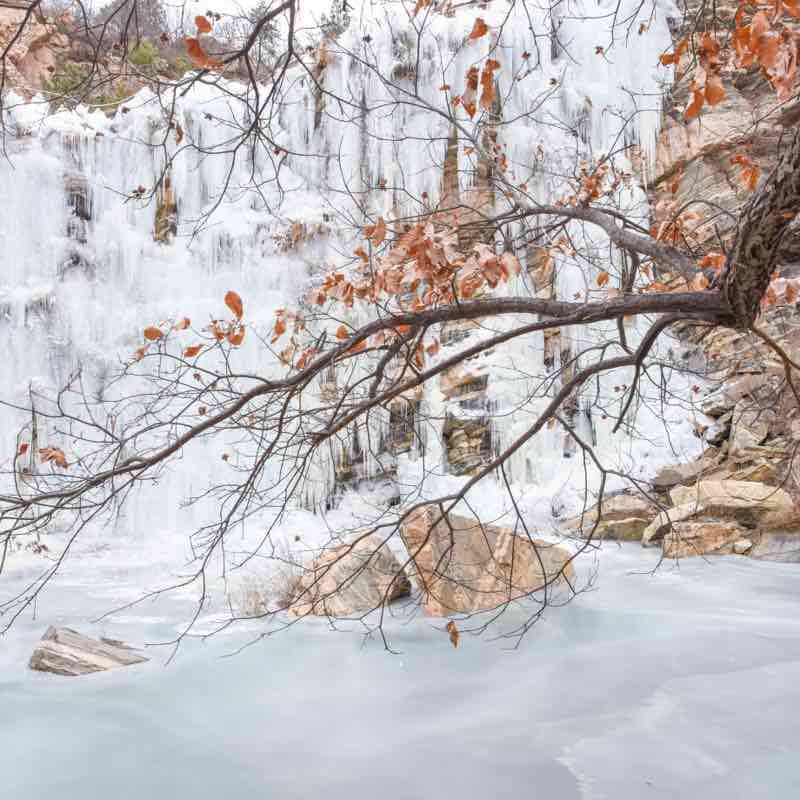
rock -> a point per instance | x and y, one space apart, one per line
730 393
30 46
619 530
748 502
67 652
681 474
777 545
729 495
693 538
467 443
760 472
461 383
623 517
166 220
750 426
742 546
663 523
462 566
350 579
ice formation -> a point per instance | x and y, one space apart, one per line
83 273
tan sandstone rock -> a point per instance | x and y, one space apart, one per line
736 496
750 426
701 538
462 566
350 579
745 501
623 517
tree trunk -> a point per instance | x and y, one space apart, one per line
764 220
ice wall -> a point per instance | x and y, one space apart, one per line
83 274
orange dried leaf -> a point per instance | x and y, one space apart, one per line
602 278
715 261
487 82
453 633
693 109
203 25
376 232
54 454
480 28
217 330
673 58
770 298
183 324
199 57
191 352
236 335
305 357
714 91
151 333
234 303
342 332
510 263
23 448
420 5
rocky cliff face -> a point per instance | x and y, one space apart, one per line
749 399
34 46
693 166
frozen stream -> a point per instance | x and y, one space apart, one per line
685 683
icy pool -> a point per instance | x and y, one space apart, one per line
685 683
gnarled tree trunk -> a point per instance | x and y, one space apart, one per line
764 220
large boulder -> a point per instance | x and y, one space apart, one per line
66 652
350 579
702 538
623 517
462 566
747 499
747 502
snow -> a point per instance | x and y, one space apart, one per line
679 683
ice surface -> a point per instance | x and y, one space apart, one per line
683 683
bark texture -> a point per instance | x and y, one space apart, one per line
764 220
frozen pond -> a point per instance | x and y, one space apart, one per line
681 684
